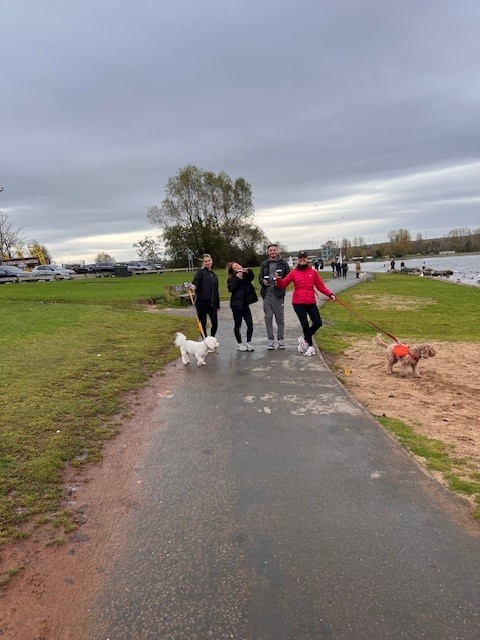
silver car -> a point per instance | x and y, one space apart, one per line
52 270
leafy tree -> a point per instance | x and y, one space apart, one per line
104 257
400 242
40 251
205 211
149 248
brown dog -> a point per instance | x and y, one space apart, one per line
405 355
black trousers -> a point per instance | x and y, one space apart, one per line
238 316
203 311
305 311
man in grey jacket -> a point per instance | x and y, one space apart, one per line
273 298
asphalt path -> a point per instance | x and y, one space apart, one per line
273 507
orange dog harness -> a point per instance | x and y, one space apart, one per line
401 350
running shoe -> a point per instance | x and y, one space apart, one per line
281 344
309 352
242 347
270 345
249 347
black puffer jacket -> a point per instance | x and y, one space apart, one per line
242 290
206 283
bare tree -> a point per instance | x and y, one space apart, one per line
103 256
12 239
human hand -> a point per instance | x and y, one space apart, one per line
192 287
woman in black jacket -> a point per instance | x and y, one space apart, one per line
207 302
240 285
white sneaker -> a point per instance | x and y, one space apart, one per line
241 347
302 345
249 347
270 345
281 344
309 352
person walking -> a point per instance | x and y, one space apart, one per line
358 268
392 265
305 280
243 294
344 267
207 301
273 298
338 267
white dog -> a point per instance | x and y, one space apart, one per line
197 349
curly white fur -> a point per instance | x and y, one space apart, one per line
197 349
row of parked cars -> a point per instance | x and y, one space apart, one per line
68 271
135 266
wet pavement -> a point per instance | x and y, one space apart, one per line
272 506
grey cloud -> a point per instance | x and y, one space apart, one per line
306 100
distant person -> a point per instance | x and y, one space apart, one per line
320 265
305 280
273 298
402 266
334 271
243 294
358 268
207 301
392 265
344 268
315 265
338 267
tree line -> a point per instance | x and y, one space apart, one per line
207 212
400 243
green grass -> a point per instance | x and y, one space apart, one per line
69 352
422 309
417 308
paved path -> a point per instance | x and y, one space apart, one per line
272 507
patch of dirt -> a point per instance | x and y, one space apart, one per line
443 404
48 598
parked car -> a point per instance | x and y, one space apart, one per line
141 265
78 268
105 268
53 270
10 271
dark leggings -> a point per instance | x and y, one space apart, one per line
238 316
202 312
310 310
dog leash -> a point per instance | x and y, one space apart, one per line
199 324
366 319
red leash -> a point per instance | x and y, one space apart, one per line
366 319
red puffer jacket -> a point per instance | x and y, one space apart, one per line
305 281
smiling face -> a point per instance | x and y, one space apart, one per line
303 260
273 252
207 262
236 267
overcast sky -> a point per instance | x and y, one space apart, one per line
348 117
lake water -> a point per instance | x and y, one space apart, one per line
466 268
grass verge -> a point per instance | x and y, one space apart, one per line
422 309
69 353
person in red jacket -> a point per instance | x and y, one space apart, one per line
305 280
